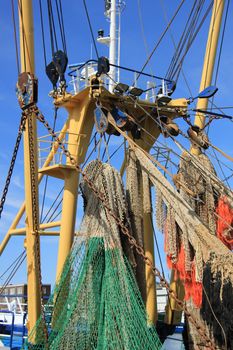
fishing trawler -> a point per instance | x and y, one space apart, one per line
142 165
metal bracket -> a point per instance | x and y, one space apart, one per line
27 90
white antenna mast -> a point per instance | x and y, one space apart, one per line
113 9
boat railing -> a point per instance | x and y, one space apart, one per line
151 85
45 146
11 313
15 302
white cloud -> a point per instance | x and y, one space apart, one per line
17 181
14 202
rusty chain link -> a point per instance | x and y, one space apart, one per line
199 326
12 163
29 113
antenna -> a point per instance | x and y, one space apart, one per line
113 10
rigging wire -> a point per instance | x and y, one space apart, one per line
42 32
60 192
160 39
23 33
15 36
54 202
215 82
54 211
106 146
196 164
179 46
57 215
13 263
115 151
220 166
176 71
186 37
175 46
143 32
90 27
61 24
14 271
220 50
53 37
46 180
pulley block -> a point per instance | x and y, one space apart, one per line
103 66
52 73
57 67
172 129
198 137
60 61
27 90
101 122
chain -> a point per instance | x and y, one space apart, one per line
12 163
34 192
126 232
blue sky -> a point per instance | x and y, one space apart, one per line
79 45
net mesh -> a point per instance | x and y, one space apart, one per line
97 303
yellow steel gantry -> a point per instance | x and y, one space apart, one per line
79 126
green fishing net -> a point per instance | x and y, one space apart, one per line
97 303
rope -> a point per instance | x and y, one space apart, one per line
13 272
219 60
14 262
15 36
61 24
46 180
160 39
53 37
176 72
42 32
220 186
58 205
54 202
115 152
23 31
176 63
90 27
196 163
179 48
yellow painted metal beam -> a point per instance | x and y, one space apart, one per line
209 61
40 177
22 231
173 313
27 65
151 295
80 125
145 144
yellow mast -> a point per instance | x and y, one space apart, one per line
27 65
208 66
